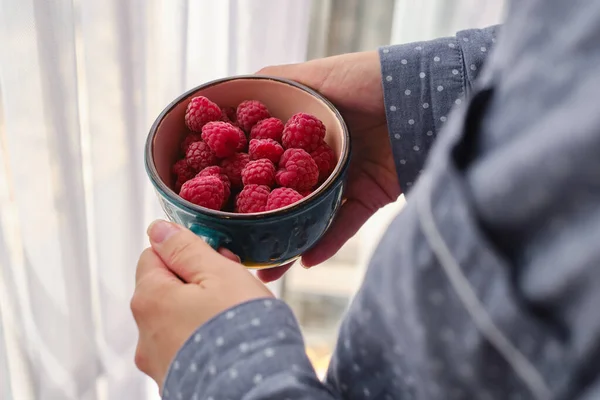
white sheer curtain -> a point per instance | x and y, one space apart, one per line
80 83
429 19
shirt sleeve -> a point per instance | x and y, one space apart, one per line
252 351
422 82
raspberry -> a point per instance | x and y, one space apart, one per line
200 156
270 128
249 112
326 160
259 172
233 166
205 191
253 198
306 193
199 112
217 171
303 131
297 170
228 114
265 148
282 197
222 138
189 139
183 173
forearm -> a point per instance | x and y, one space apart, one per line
253 351
422 82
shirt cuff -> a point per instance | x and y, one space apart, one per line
234 352
421 83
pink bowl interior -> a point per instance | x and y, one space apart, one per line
283 100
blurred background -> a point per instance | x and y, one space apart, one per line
81 81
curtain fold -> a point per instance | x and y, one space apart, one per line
81 82
5 390
41 124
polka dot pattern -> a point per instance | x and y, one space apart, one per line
208 365
430 79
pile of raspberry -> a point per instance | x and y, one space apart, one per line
244 160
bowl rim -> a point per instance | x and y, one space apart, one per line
174 198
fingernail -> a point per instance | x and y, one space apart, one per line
160 230
302 264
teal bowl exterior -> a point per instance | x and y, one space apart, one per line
264 242
261 240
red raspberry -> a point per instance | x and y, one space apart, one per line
249 112
253 198
222 138
228 114
297 170
303 131
217 171
265 148
205 191
183 173
306 193
199 112
233 166
326 160
189 139
270 128
282 197
200 156
259 172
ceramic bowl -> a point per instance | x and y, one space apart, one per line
266 239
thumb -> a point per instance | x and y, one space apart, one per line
313 74
283 70
182 251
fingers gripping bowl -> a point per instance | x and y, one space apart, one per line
262 239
